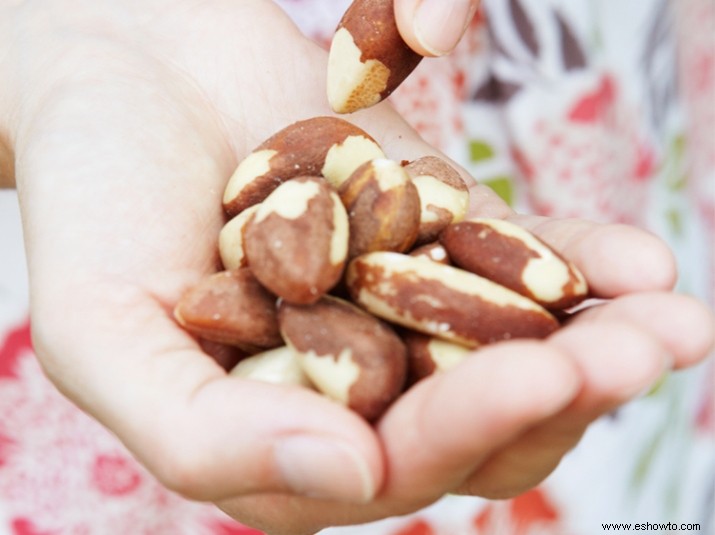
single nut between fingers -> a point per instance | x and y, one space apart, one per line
349 355
368 57
297 241
514 257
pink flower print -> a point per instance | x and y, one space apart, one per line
531 513
61 473
581 151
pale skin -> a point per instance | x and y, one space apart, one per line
124 121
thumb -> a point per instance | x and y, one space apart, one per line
434 27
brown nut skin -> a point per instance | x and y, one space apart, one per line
349 355
443 301
513 257
230 307
427 355
368 58
297 241
443 194
383 208
320 146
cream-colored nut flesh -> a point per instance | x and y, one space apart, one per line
435 195
343 158
428 355
368 58
289 201
340 239
256 164
446 355
434 252
230 240
444 196
333 376
352 83
277 366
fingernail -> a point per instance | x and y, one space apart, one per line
326 468
439 25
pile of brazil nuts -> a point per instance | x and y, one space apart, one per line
357 275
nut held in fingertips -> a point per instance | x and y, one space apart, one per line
297 241
320 146
443 194
383 208
514 257
278 366
443 301
349 355
232 308
368 58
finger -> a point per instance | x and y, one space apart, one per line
439 431
434 27
617 362
615 259
681 323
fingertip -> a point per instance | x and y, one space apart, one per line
693 336
682 324
618 259
618 361
433 28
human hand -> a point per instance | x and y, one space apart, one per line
126 122
434 27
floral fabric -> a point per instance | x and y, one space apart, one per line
588 108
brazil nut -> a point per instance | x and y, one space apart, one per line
320 146
443 301
349 355
297 241
514 257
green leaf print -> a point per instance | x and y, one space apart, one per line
480 151
503 187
